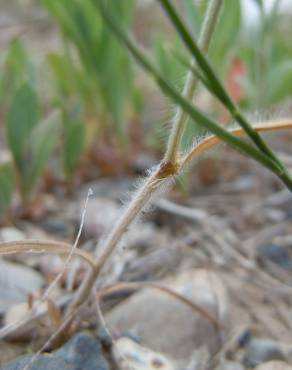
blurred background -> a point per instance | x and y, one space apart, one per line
75 108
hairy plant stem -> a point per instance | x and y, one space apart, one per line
141 198
219 90
172 163
180 118
167 168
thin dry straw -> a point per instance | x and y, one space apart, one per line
46 294
72 250
41 246
210 141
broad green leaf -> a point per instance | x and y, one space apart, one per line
193 16
280 82
259 3
74 143
226 35
167 62
7 185
104 76
17 69
23 117
62 75
43 140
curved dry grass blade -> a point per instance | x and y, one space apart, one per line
40 246
213 140
139 285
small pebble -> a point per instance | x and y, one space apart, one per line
244 338
82 352
130 355
262 350
274 365
277 254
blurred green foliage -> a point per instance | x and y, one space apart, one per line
255 62
93 90
94 81
221 52
266 50
7 186
94 76
17 68
30 139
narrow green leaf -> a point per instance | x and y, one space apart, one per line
193 112
193 15
280 82
23 116
74 143
167 56
17 69
194 49
218 87
226 35
259 3
42 141
7 185
103 76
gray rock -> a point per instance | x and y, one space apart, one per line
114 189
277 254
9 234
274 365
100 215
230 365
166 325
130 355
16 283
81 353
263 350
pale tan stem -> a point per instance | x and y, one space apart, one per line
180 118
142 198
40 246
136 205
158 177
213 140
